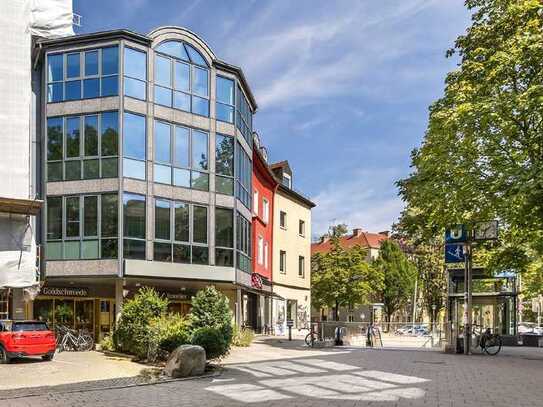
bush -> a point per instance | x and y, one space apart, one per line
212 340
242 337
107 343
133 334
170 331
211 316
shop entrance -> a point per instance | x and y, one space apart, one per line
95 316
179 307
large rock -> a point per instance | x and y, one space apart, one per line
186 360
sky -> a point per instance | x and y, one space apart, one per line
343 87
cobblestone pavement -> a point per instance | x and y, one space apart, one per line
346 377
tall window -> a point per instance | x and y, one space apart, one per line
178 239
82 147
82 75
244 174
225 100
82 227
266 254
265 210
134 226
283 219
282 261
181 78
134 145
287 181
243 243
224 164
244 117
301 266
301 228
224 237
135 73
255 202
260 253
181 156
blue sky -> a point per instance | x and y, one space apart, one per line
343 87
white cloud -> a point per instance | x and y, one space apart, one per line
363 199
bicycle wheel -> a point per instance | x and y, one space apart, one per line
308 339
85 343
492 345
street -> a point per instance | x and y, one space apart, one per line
276 373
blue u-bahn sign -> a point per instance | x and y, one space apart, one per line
456 234
454 253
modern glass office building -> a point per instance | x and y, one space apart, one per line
147 149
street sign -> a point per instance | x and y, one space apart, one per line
454 253
456 234
486 230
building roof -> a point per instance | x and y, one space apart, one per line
357 238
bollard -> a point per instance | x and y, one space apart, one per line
290 323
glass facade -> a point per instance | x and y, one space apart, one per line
244 171
135 73
83 75
88 146
82 227
181 78
181 232
181 156
82 147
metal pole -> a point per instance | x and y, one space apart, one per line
415 304
466 299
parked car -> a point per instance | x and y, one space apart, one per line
26 338
529 328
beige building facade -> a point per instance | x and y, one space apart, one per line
291 278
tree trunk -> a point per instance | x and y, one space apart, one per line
337 311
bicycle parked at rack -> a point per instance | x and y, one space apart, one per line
489 343
313 336
73 341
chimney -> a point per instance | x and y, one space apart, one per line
385 233
357 232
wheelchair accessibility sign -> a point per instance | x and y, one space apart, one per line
454 253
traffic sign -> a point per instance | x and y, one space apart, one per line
486 230
454 253
456 234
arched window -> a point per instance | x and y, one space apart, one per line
181 78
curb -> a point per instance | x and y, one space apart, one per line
43 392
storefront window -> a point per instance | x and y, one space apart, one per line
43 310
64 312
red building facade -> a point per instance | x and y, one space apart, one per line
264 185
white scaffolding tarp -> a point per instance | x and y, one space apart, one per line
51 18
18 267
19 21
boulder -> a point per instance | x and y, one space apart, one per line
186 360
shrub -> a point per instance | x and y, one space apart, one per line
212 340
107 343
132 334
170 331
210 310
242 337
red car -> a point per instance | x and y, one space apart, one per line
26 338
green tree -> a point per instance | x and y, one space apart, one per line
211 318
482 154
426 252
342 277
399 277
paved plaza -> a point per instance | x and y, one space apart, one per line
276 373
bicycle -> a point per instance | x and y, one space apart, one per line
489 343
312 336
70 340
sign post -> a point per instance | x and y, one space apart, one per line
459 248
